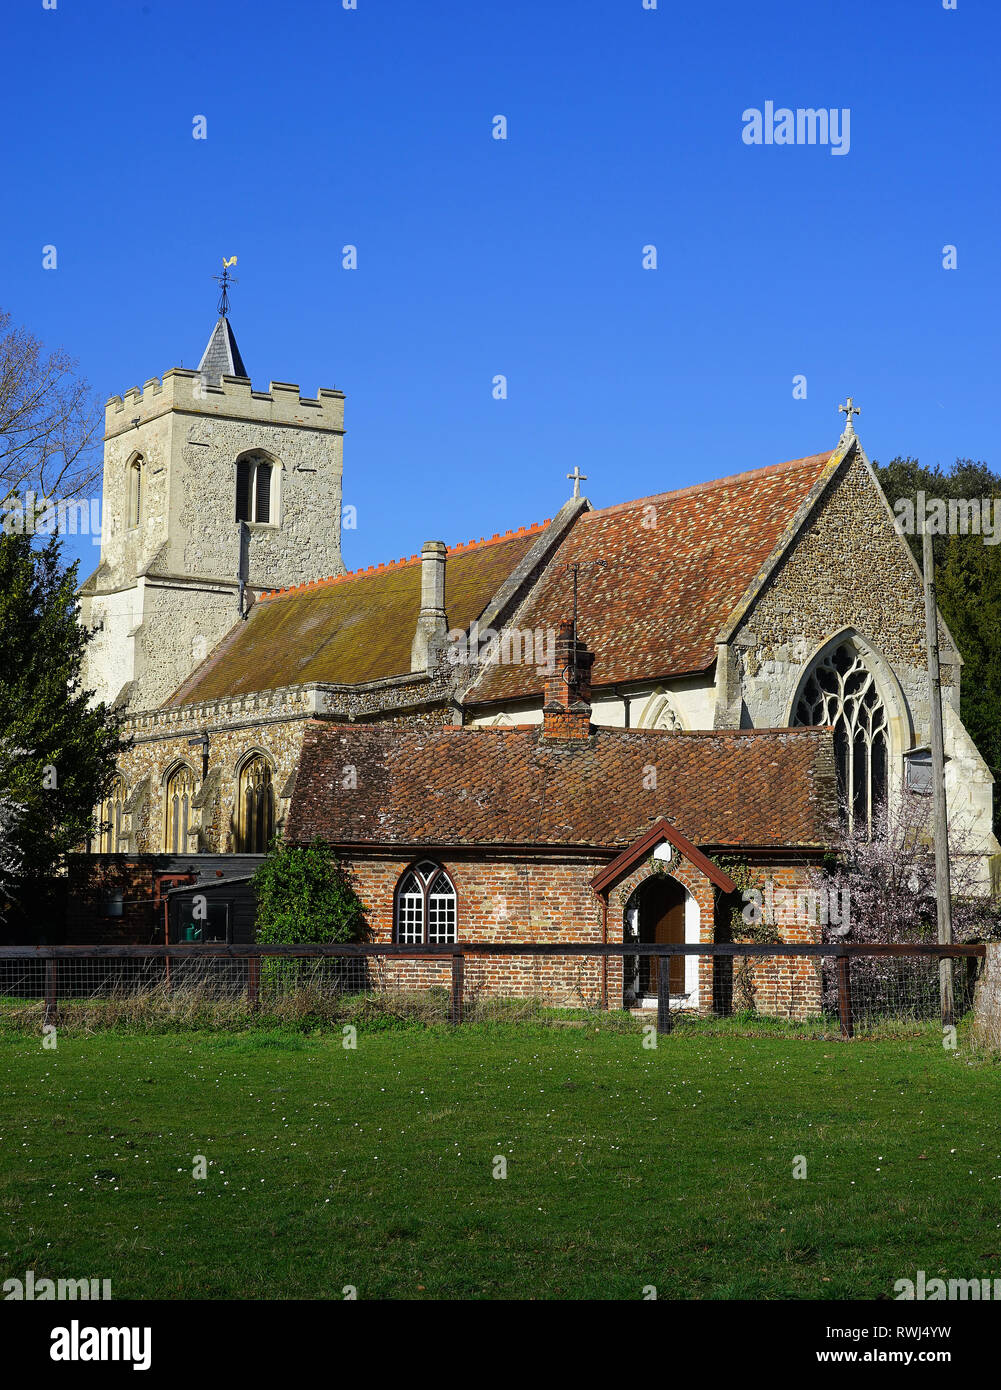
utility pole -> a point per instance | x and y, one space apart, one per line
943 892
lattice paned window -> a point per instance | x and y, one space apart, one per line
255 807
841 690
426 907
180 794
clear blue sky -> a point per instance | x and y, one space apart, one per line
476 257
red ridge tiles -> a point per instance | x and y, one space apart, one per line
463 546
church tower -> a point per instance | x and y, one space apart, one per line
213 492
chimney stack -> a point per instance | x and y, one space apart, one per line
566 713
432 624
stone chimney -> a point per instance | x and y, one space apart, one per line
432 624
566 713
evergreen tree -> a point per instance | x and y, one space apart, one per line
304 894
968 588
57 755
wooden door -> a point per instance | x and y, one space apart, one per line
667 911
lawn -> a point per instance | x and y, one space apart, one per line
374 1167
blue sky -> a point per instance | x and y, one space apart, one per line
522 257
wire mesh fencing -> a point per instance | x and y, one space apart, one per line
819 990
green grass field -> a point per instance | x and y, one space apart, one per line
375 1167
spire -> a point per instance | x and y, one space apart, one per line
221 356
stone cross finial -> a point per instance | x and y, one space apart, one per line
577 477
850 410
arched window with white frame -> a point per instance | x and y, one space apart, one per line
840 689
425 908
255 475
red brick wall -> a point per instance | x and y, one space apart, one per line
518 897
93 880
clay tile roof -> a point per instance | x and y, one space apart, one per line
349 628
448 786
676 566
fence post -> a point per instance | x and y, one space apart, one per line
253 982
664 994
458 962
51 986
845 996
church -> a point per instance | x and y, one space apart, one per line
566 732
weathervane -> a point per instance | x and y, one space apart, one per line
225 280
849 410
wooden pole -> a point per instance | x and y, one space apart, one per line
253 982
458 974
943 893
845 1009
663 994
51 992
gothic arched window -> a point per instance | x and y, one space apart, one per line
841 690
180 794
425 906
109 820
253 489
255 807
135 491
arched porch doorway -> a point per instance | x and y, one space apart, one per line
661 911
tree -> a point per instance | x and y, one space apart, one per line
304 894
50 426
968 580
881 889
57 754
10 854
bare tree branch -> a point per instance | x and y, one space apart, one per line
50 422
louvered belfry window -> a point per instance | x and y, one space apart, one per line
425 906
135 491
253 489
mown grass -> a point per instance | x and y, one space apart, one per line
374 1167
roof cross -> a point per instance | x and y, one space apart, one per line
849 410
577 477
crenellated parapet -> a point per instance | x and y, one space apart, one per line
187 391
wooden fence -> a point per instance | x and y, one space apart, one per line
65 961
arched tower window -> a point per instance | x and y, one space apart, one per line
425 906
135 491
255 807
253 489
180 793
840 689
109 820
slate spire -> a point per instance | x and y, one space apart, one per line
221 356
